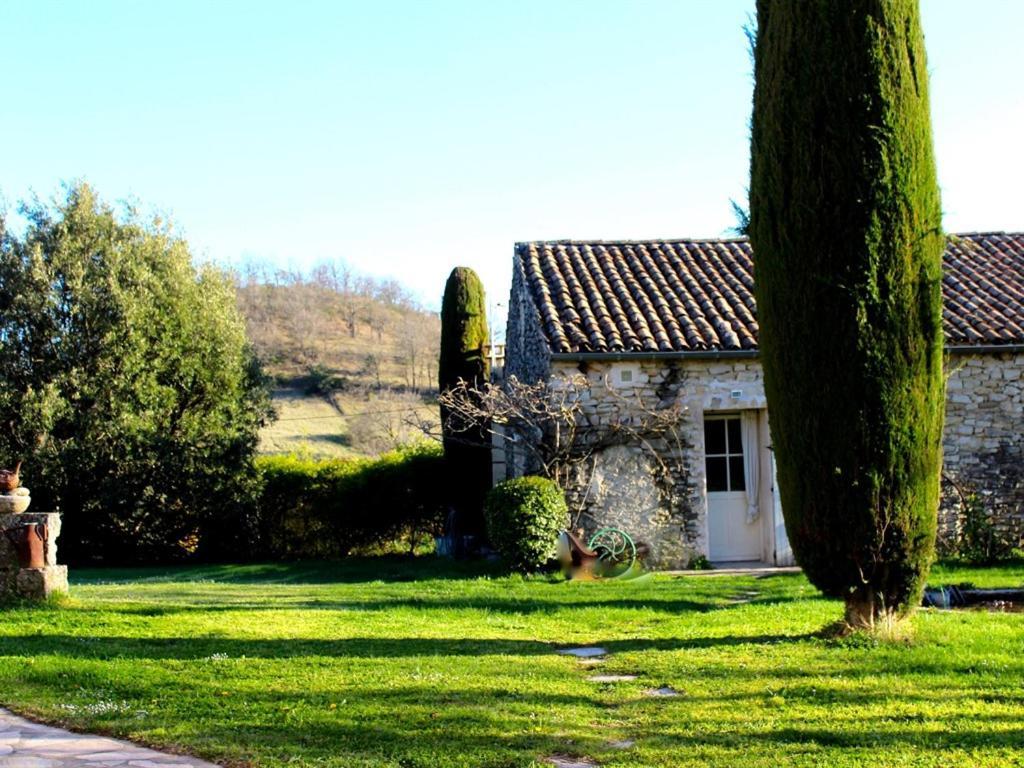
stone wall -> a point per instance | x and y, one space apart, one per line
626 486
984 440
526 355
526 350
656 492
31 583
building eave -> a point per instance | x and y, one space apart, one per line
616 357
730 354
984 349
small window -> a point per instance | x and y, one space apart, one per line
723 452
623 375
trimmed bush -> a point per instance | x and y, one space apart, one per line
524 517
331 507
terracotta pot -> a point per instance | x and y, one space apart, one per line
10 479
29 542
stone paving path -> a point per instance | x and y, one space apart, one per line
24 744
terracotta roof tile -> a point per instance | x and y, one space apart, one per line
698 295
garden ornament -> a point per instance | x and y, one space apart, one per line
9 479
610 553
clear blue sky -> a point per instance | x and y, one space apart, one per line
408 137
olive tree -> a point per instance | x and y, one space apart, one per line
126 383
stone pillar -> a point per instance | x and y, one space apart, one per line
31 583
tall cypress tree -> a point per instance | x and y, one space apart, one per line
845 223
467 447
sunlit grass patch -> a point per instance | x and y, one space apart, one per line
398 663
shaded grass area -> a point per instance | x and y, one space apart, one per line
425 663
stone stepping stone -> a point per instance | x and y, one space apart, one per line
567 761
24 744
587 652
623 744
665 690
742 599
611 678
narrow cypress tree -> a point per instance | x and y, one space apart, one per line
467 447
845 224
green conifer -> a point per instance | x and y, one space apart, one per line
845 223
467 447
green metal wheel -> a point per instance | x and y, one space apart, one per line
614 547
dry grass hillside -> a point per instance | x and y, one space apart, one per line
354 359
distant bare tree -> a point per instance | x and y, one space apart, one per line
418 349
371 367
386 423
298 319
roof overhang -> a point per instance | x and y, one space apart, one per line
732 354
985 349
697 354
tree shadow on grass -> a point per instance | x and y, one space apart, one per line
354 570
197 648
865 737
416 723
358 570
198 602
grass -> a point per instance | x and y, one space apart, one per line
392 663
306 423
344 425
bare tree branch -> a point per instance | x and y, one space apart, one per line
560 425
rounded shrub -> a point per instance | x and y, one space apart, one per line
523 518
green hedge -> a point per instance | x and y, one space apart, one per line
331 507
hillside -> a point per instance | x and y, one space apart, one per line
354 359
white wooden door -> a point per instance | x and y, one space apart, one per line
730 536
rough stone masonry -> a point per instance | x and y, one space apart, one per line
31 583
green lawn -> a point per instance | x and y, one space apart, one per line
384 663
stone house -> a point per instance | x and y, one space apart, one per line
677 320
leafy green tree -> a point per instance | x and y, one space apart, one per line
126 384
467 445
845 223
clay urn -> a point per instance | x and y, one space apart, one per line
29 542
9 479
